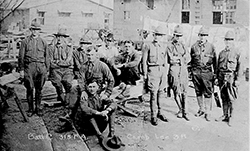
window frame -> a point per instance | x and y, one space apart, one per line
185 10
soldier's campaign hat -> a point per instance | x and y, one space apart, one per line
204 30
178 30
113 144
85 40
229 35
159 30
62 31
35 26
110 37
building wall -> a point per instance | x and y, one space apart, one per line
127 29
201 13
75 23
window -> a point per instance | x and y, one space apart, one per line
185 13
64 14
185 5
224 11
217 18
41 17
126 15
87 15
184 17
150 4
106 21
229 17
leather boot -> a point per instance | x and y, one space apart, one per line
111 126
29 97
184 107
201 106
207 102
38 99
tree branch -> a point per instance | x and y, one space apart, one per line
12 10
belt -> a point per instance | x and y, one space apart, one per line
156 65
175 64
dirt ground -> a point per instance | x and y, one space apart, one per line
136 133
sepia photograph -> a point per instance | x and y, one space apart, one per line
124 75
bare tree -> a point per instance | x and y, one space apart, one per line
7 7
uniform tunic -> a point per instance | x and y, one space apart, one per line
203 65
92 71
61 70
34 60
178 57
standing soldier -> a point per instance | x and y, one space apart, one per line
61 69
33 64
228 76
203 67
178 74
153 60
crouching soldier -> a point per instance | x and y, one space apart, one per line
96 111
91 70
228 76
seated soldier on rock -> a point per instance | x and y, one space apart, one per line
128 68
95 112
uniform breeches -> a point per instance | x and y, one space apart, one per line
34 77
228 92
156 85
203 83
178 79
60 78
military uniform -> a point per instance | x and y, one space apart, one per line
228 73
79 57
178 57
34 60
129 71
61 69
89 106
154 61
203 68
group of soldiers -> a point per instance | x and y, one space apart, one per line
206 70
99 67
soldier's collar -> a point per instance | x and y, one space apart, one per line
200 43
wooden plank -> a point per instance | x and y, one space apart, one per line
9 78
127 110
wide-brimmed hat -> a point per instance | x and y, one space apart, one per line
110 37
113 144
62 32
204 30
159 30
35 26
85 40
178 30
229 35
